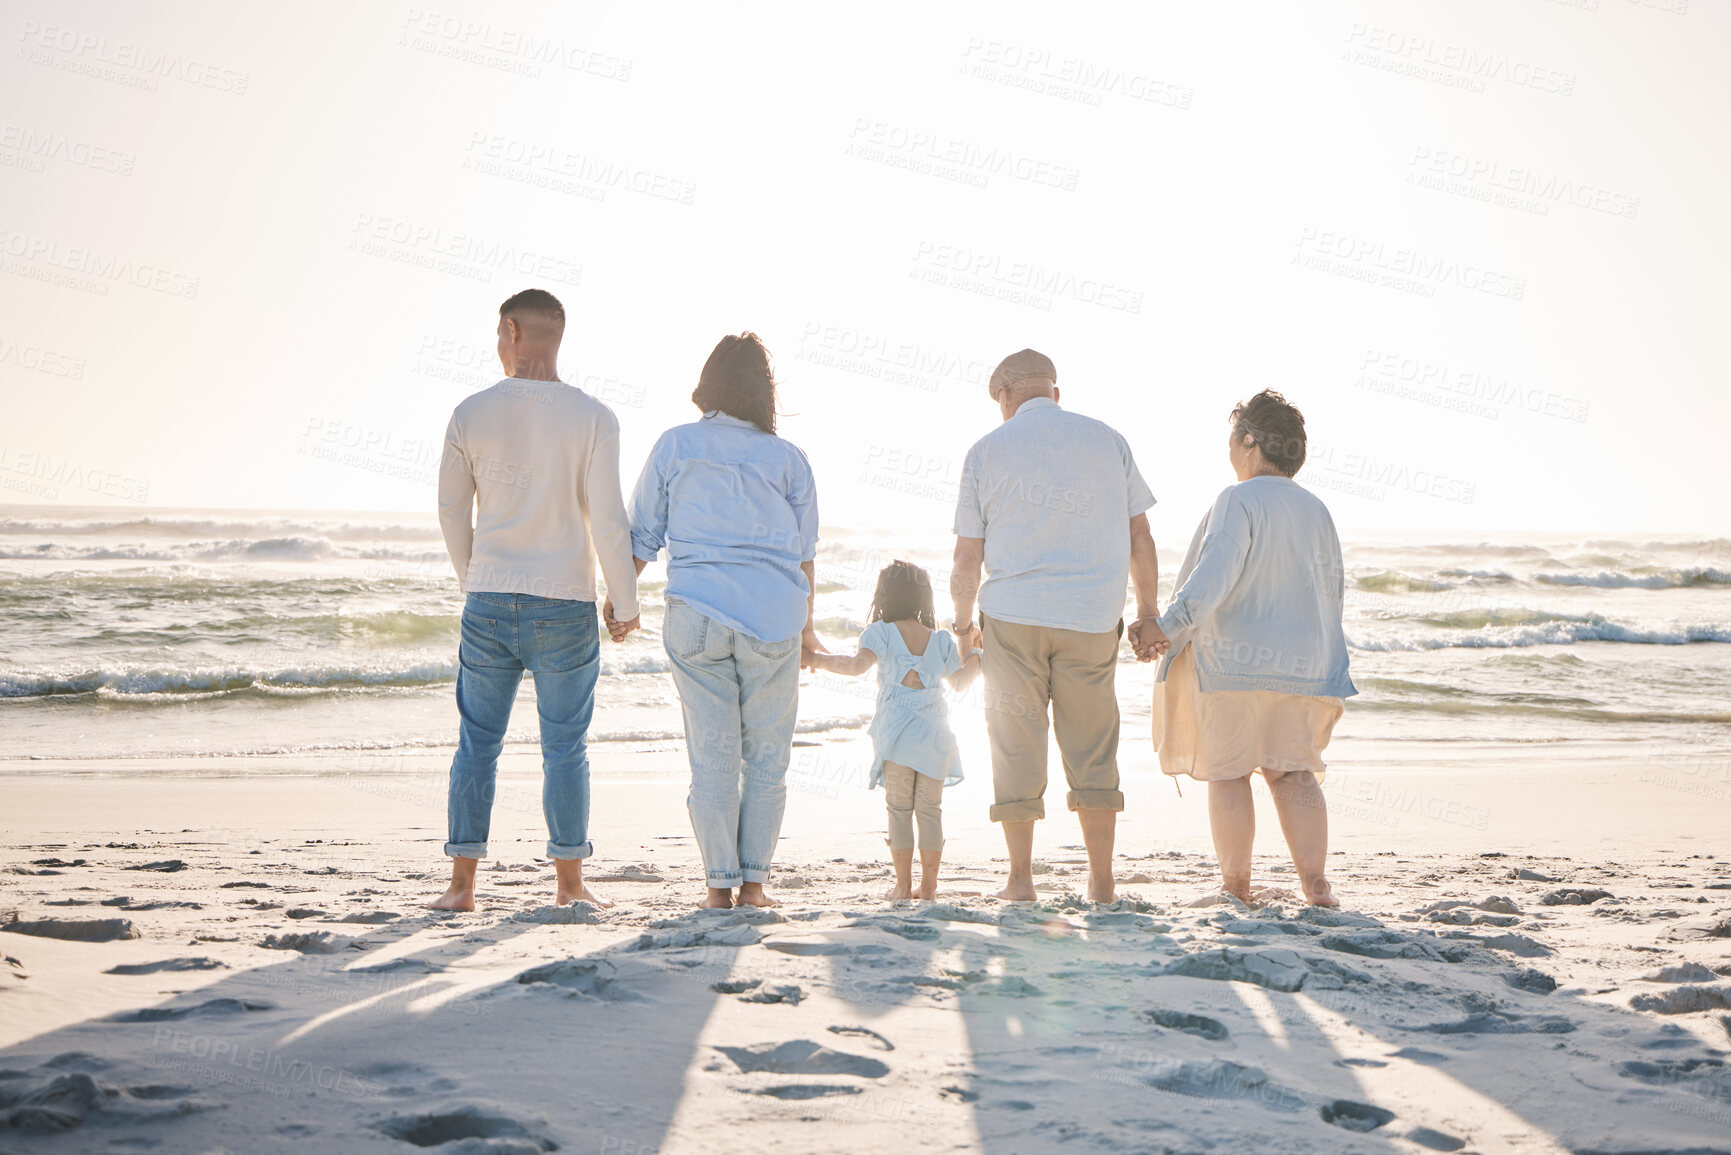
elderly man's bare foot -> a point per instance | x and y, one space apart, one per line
457 898
1317 892
751 894
1018 890
718 898
899 891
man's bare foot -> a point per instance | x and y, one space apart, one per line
570 888
718 898
1018 890
1317 892
928 890
898 892
457 898
751 894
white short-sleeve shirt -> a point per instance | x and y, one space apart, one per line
1052 493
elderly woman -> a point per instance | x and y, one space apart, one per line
1255 665
736 509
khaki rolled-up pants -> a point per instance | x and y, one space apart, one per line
1027 667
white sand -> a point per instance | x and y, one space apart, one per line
840 1023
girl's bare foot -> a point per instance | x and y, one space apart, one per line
1317 892
718 898
456 898
751 894
899 891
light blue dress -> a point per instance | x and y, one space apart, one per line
912 726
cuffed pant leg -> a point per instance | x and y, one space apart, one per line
769 707
709 703
488 674
1017 688
899 793
565 700
1085 717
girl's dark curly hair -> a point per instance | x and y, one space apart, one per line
904 592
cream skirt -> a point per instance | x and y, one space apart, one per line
1229 733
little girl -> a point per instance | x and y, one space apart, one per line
914 752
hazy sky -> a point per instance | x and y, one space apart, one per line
253 259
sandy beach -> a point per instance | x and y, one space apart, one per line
232 955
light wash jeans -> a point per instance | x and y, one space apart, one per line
559 642
740 697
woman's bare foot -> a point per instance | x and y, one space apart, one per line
751 894
928 889
456 898
1018 890
902 889
571 888
460 895
1102 890
1317 892
1238 888
718 898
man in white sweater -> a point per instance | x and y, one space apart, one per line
529 502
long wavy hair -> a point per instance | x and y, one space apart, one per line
738 380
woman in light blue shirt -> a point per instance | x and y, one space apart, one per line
735 507
1255 671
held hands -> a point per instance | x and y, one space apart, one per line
811 648
967 636
1147 639
617 629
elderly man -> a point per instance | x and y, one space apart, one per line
1051 504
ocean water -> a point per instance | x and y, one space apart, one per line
176 633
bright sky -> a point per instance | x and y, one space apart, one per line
253 258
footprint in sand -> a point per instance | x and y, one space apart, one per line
313 942
864 1032
210 1007
582 978
469 1122
1352 1116
1201 1026
46 1102
75 929
803 1057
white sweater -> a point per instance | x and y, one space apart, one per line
529 495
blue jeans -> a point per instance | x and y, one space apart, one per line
559 642
740 697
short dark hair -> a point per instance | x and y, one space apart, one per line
1275 426
541 303
738 381
904 593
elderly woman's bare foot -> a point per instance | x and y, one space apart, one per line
899 891
1103 890
1019 890
751 894
718 898
928 891
1317 892
1237 888
456 898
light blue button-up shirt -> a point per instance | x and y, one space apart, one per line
736 510
1260 594
1052 493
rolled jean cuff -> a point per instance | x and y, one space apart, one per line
581 850
466 849
757 874
1025 811
1095 800
721 880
